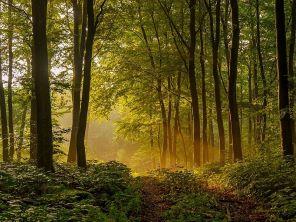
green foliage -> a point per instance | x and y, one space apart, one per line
187 195
195 207
270 179
104 192
179 182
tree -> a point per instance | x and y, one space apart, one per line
80 17
4 127
235 125
41 82
291 66
10 77
282 70
92 24
215 40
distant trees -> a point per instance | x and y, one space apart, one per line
177 67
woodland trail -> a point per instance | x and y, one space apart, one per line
153 203
236 208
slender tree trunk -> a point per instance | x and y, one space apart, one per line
42 89
33 128
164 125
170 140
215 37
204 98
250 105
9 96
262 72
235 125
80 17
291 68
282 69
193 86
4 128
211 130
21 134
81 156
91 31
184 145
33 116
176 118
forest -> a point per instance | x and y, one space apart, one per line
151 111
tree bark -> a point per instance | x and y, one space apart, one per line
235 124
164 126
170 139
282 69
193 85
4 128
33 128
21 134
262 72
211 130
291 68
91 30
204 97
10 77
250 103
42 89
80 17
215 37
176 119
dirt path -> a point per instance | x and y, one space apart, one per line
237 209
153 205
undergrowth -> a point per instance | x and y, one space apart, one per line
105 192
270 180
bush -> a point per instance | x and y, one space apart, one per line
272 180
195 207
104 192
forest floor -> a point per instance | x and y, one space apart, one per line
108 192
234 207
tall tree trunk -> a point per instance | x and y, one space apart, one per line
192 84
262 72
21 134
176 119
170 139
80 17
204 98
226 46
291 68
250 105
40 74
33 128
211 130
91 30
4 128
9 96
183 143
282 69
164 125
235 125
215 37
